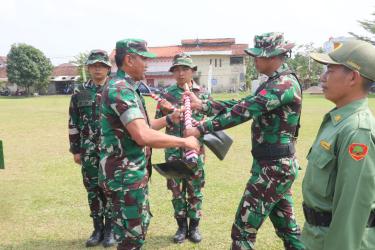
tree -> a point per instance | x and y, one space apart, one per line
308 70
369 26
80 61
251 72
28 67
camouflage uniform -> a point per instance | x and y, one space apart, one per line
124 164
275 109
84 135
191 207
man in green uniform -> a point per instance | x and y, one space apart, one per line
338 187
128 135
190 207
84 136
275 109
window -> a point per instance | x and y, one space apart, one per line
215 62
220 62
236 60
210 61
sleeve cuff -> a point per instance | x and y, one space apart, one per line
130 115
75 150
206 127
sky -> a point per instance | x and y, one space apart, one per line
62 29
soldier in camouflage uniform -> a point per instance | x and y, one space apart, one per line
128 135
275 109
183 69
84 135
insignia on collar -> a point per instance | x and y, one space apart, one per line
324 144
358 151
337 118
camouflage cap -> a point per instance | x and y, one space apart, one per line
183 59
135 46
98 55
269 45
354 54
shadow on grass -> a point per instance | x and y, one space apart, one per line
50 244
153 242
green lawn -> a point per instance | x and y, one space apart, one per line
43 202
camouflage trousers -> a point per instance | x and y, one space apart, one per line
99 205
268 193
131 216
187 196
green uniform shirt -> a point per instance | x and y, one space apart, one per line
84 119
340 178
174 94
124 163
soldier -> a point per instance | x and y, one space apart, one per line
84 136
338 187
127 136
275 109
183 70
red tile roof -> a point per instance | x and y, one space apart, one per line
65 69
3 59
208 41
220 44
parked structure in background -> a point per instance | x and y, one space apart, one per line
226 58
63 79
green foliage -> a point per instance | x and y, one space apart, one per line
369 26
28 67
251 73
80 61
308 70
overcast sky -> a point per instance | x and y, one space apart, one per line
63 29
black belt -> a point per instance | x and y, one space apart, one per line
273 151
323 219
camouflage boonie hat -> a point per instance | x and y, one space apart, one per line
98 55
135 46
354 54
183 59
269 45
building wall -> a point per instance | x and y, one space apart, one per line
225 77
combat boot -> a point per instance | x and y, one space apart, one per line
194 234
98 234
108 240
180 235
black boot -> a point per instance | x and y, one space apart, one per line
194 234
180 235
109 240
96 236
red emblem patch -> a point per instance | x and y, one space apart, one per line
358 151
263 92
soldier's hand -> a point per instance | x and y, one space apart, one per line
176 115
192 132
192 143
164 104
77 158
195 102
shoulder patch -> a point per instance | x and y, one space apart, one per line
358 151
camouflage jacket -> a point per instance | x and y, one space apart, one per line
84 119
174 95
275 109
123 162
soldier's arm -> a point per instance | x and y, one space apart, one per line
126 107
74 135
271 97
145 136
354 192
208 106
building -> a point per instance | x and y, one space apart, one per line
63 76
221 63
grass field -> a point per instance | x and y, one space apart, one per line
43 202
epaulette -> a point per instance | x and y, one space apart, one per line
364 120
